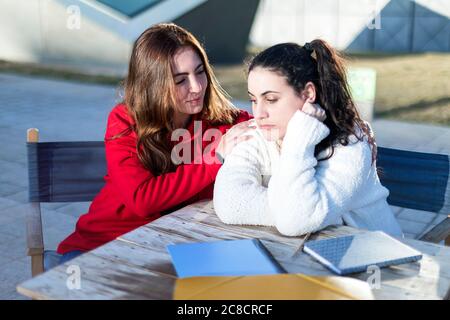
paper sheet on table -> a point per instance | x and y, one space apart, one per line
272 287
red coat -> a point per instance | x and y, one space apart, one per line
132 195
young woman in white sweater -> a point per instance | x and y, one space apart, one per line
311 161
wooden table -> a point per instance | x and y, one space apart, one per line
138 266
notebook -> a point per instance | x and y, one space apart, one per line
355 253
223 258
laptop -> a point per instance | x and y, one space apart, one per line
355 253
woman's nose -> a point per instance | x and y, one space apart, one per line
259 111
195 85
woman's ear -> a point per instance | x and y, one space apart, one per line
309 92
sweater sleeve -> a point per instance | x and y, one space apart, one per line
239 195
304 199
141 191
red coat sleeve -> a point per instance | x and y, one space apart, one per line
138 188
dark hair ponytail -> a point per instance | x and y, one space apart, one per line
319 63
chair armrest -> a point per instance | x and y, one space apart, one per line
35 241
439 232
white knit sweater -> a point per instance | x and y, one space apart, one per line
291 190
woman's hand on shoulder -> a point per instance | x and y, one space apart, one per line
235 135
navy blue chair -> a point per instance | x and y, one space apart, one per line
418 181
58 172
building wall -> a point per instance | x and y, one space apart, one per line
45 31
356 25
223 27
20 30
37 31
90 36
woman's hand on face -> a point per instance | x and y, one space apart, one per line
233 136
314 110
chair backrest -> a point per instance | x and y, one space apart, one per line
415 180
65 171
58 172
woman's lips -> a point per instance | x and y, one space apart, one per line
267 126
195 101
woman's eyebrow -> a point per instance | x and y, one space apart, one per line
269 91
186 73
264 93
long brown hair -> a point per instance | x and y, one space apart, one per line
319 63
150 94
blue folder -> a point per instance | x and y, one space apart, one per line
355 253
223 258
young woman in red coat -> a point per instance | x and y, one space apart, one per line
170 88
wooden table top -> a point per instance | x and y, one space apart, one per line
138 266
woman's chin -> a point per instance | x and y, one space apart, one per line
194 109
271 135
191 110
197 109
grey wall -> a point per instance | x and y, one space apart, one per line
356 25
223 27
406 26
38 31
35 31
